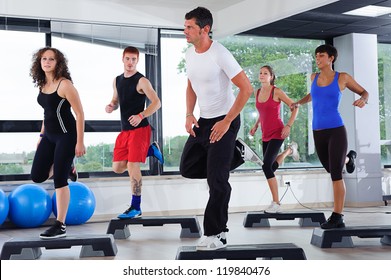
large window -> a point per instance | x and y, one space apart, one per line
93 68
94 54
293 63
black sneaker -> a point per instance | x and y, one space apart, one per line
350 166
335 221
73 173
55 231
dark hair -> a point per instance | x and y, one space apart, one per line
38 75
271 71
131 49
202 16
329 49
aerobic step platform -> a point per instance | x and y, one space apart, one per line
261 219
341 237
190 226
30 248
285 251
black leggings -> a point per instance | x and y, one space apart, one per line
202 159
57 150
270 151
331 146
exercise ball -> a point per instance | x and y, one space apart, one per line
4 206
81 205
29 206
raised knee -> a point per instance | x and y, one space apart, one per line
118 170
37 179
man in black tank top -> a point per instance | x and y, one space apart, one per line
131 89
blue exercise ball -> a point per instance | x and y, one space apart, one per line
4 206
29 206
81 205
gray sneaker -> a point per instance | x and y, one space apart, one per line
247 153
273 208
295 153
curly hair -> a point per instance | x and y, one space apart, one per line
38 75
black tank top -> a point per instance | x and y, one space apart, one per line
58 117
130 101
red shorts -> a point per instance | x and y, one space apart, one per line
132 145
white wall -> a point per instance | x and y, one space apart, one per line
175 195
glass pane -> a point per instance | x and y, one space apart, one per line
18 94
143 38
384 64
99 155
293 62
93 69
17 155
174 82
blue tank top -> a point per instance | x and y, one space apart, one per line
325 103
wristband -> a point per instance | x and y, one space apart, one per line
364 99
189 115
41 135
288 125
141 116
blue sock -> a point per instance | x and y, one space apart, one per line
136 201
150 151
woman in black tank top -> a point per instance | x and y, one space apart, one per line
62 136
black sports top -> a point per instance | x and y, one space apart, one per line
130 101
58 117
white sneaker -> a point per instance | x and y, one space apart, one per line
295 153
273 208
247 153
213 242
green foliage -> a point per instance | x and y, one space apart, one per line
11 169
172 150
89 166
101 153
292 61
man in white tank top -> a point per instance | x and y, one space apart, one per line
210 150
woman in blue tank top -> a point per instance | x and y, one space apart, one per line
328 127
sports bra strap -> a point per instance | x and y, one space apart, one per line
59 84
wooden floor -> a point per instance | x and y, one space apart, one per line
162 242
